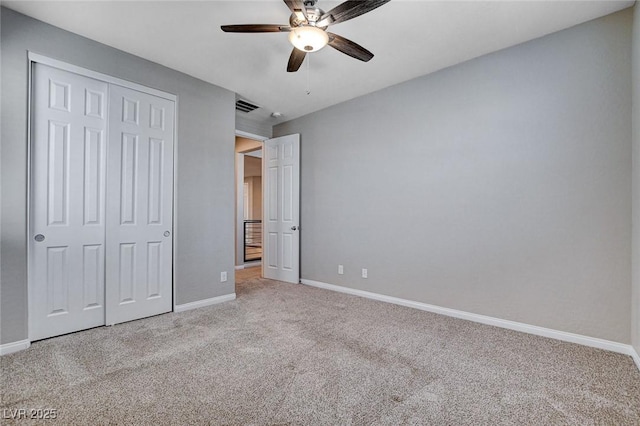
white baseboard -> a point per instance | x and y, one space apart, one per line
483 319
635 356
205 302
249 265
9 348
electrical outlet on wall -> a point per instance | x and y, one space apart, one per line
223 276
340 270
365 273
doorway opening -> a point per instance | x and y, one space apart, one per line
249 241
279 206
252 206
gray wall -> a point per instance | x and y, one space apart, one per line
254 127
205 163
635 327
501 186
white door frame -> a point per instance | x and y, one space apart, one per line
41 59
251 136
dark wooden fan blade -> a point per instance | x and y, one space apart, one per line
298 7
255 28
295 60
349 10
348 47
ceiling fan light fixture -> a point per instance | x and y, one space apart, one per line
308 38
307 29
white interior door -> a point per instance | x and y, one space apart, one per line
281 209
139 243
67 224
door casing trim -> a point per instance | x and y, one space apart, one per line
55 63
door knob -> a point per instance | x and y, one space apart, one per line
293 228
39 238
167 233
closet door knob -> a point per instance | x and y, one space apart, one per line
39 238
167 233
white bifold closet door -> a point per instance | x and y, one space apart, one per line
100 204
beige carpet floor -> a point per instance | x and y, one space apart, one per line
292 354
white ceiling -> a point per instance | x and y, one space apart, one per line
408 38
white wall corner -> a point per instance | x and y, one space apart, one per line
483 319
204 302
9 348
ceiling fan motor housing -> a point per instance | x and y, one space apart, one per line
313 16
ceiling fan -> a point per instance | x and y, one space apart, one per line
308 28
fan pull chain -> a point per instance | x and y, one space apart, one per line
308 74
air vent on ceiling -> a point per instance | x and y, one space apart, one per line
245 106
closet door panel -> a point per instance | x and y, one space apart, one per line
140 205
67 209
